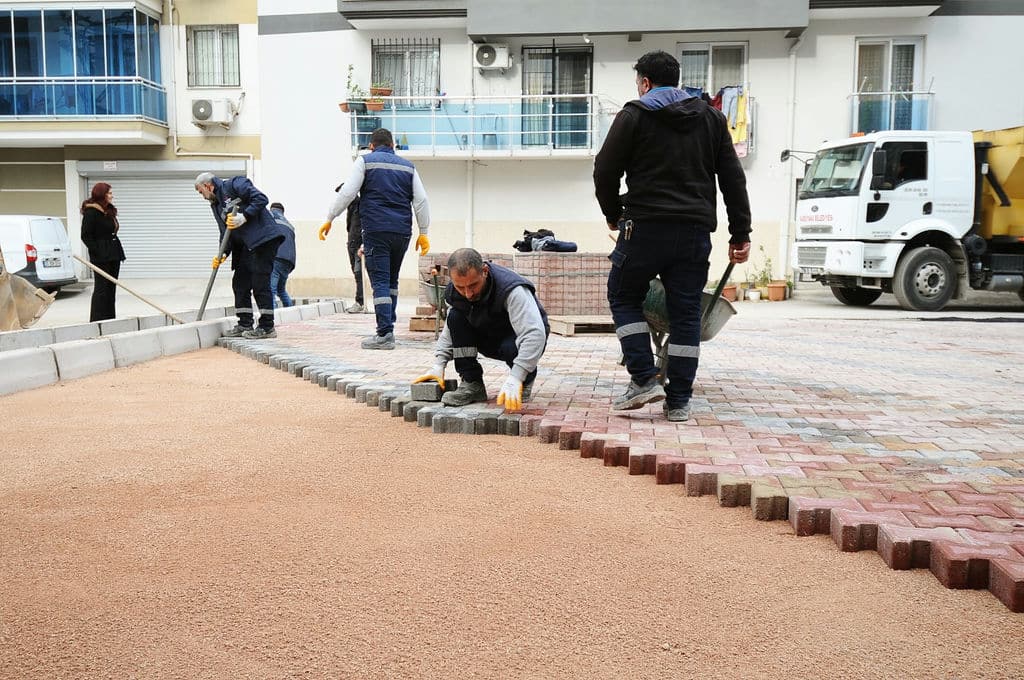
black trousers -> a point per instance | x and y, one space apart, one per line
103 291
357 267
251 279
469 341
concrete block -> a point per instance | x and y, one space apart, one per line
153 321
361 393
26 339
350 389
135 348
325 308
307 312
339 306
178 338
425 415
111 326
212 313
24 369
79 358
209 331
398 405
508 424
411 409
190 315
486 423
431 391
287 315
81 331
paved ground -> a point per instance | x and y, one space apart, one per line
204 516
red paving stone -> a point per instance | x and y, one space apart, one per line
839 426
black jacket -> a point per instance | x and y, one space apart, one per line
99 234
354 224
260 226
671 156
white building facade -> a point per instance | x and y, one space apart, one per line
501 106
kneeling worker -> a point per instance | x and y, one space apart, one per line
495 312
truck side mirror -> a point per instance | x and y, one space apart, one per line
878 168
784 156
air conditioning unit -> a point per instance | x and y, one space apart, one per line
212 112
488 56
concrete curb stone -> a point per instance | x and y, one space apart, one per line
25 369
79 358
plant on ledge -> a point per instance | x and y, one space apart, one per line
381 88
355 93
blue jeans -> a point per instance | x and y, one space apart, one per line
278 280
383 252
678 253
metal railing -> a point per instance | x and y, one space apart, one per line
482 126
878 111
100 98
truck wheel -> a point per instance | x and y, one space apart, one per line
925 279
856 297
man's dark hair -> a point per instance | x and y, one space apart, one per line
276 206
464 259
659 67
382 137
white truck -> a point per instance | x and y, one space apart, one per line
922 215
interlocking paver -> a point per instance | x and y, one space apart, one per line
873 431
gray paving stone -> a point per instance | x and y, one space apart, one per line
508 424
361 393
425 415
485 423
411 409
351 387
398 405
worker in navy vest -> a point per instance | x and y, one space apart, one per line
284 261
495 312
390 192
241 208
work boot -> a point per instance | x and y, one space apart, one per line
677 414
356 308
637 396
379 342
468 392
237 331
260 334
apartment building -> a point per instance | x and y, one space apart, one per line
501 105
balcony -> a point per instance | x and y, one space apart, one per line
879 111
563 126
82 111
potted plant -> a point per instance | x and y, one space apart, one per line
356 94
729 291
381 88
374 104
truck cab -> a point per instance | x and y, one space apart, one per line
886 213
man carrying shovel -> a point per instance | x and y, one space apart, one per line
671 147
241 210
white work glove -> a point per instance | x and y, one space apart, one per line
234 221
511 394
436 374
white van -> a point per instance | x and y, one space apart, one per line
37 248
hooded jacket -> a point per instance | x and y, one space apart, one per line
671 146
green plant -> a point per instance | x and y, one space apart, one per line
382 85
762 274
355 93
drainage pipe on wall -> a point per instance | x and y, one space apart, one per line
783 254
470 170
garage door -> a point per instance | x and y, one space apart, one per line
167 229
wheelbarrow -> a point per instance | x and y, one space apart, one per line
435 293
715 311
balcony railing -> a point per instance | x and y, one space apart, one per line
529 125
878 111
83 98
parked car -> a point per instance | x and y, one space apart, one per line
37 248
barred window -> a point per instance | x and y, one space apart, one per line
411 68
213 56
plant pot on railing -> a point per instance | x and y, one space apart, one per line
380 91
374 104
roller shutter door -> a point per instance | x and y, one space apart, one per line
167 229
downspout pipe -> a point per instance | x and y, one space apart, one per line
787 214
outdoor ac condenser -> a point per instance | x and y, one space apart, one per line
489 56
212 112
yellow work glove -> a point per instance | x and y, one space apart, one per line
436 374
218 261
325 229
511 394
235 220
423 244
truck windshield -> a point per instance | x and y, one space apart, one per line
836 172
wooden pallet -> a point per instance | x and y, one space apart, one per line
571 325
423 323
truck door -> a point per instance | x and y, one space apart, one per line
905 193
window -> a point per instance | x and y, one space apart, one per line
213 56
79 62
411 68
905 162
710 66
889 74
562 121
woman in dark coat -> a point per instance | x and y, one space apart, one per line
99 234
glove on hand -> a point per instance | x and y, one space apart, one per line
235 220
511 394
423 244
325 229
436 374
218 261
